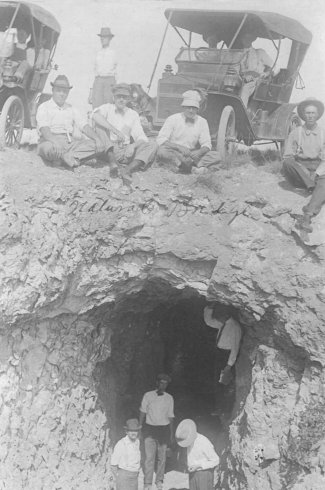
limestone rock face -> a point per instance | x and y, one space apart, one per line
72 242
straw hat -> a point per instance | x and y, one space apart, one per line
186 433
191 98
310 101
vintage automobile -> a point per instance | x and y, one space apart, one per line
216 72
28 38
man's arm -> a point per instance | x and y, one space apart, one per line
137 132
142 417
88 131
186 152
208 318
236 341
171 427
290 145
102 122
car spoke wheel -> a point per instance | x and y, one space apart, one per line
11 122
227 134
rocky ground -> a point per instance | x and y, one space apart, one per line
74 243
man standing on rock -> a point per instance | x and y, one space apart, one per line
304 158
57 121
117 123
227 348
105 70
157 410
184 140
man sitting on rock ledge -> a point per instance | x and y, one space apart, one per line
184 140
57 121
117 124
304 158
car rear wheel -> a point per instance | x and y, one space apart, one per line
227 135
11 122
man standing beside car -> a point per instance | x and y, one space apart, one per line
105 70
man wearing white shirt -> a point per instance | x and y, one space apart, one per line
118 124
125 460
105 70
201 456
184 140
157 410
256 64
227 348
57 121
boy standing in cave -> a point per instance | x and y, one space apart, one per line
227 347
157 410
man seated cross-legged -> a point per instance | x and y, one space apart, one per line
184 140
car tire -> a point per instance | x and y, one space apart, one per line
11 122
227 134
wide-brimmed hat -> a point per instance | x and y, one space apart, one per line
132 425
105 32
122 89
191 98
62 82
186 433
310 101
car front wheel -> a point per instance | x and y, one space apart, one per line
11 122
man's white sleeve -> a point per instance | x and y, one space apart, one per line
209 320
79 120
211 456
42 117
290 145
137 132
116 456
205 138
171 409
165 132
236 341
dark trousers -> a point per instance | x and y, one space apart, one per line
155 447
302 174
126 480
201 480
223 395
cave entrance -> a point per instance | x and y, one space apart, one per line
161 329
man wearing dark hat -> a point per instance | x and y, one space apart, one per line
105 70
117 123
56 122
157 410
304 158
125 460
201 456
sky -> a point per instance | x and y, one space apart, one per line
139 25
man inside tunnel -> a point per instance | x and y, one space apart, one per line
221 317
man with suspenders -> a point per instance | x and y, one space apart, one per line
304 158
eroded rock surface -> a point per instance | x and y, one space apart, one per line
75 241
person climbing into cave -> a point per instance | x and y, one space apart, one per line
304 159
201 456
126 457
157 411
228 341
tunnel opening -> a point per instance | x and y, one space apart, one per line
162 329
